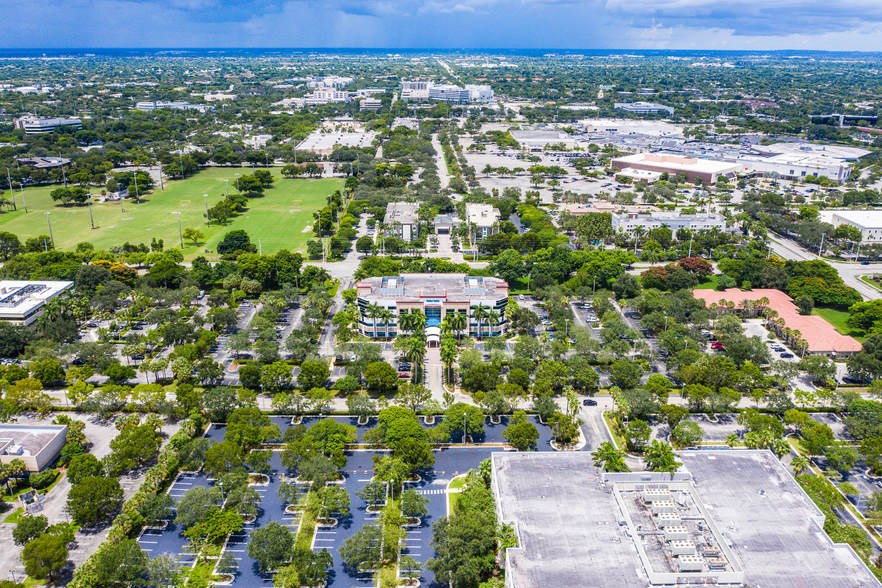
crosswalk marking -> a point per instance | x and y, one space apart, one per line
441 491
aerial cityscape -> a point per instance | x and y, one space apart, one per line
422 316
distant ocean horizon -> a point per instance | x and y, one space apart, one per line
77 53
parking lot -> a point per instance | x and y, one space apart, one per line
450 462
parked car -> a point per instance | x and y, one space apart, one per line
589 402
403 375
138 356
787 355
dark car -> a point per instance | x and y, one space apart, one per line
137 328
850 380
78 361
865 263
787 355
138 356
589 402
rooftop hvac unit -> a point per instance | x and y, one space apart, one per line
15 450
662 506
716 563
669 519
653 494
690 563
674 533
682 547
711 552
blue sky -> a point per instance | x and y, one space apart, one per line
455 24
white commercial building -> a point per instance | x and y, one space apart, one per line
22 302
537 140
157 105
325 143
322 97
38 126
329 82
643 107
36 445
672 220
484 217
422 91
401 219
707 170
370 104
796 161
869 222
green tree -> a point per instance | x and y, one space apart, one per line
459 415
93 500
44 556
520 433
29 528
313 374
362 551
84 466
380 376
271 546
625 374
609 457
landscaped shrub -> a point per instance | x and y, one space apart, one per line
42 480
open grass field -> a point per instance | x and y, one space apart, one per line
277 219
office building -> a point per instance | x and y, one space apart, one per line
540 139
708 171
869 222
604 206
703 221
822 338
725 518
796 161
485 219
39 126
36 445
22 302
370 104
436 296
422 91
42 162
329 82
401 220
158 105
322 97
643 107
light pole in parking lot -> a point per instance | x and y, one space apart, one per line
567 328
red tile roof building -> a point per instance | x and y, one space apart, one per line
820 335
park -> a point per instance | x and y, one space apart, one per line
278 219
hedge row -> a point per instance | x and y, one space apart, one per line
129 521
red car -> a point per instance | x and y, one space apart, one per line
403 375
716 345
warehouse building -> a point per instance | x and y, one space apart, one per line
703 221
436 296
708 171
725 518
36 445
869 222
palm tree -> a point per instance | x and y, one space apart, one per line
479 313
386 316
458 323
492 320
610 458
652 256
373 312
732 439
419 323
448 356
416 352
660 457
799 464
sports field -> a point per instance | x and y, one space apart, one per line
277 219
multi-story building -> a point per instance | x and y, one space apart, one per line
422 91
22 302
38 126
484 217
321 97
448 93
868 222
672 220
156 105
370 104
401 219
436 296
329 82
643 107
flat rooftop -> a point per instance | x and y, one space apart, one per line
31 438
747 519
17 296
679 162
772 526
549 136
324 141
418 287
867 219
402 212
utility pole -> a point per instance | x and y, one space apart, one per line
51 238
180 233
137 193
161 183
64 175
207 220
92 220
821 246
227 182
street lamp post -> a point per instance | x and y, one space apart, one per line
464 428
207 220
180 233
9 179
51 238
91 219
227 182
137 194
237 183
567 328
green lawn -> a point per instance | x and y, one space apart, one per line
708 283
278 218
838 319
